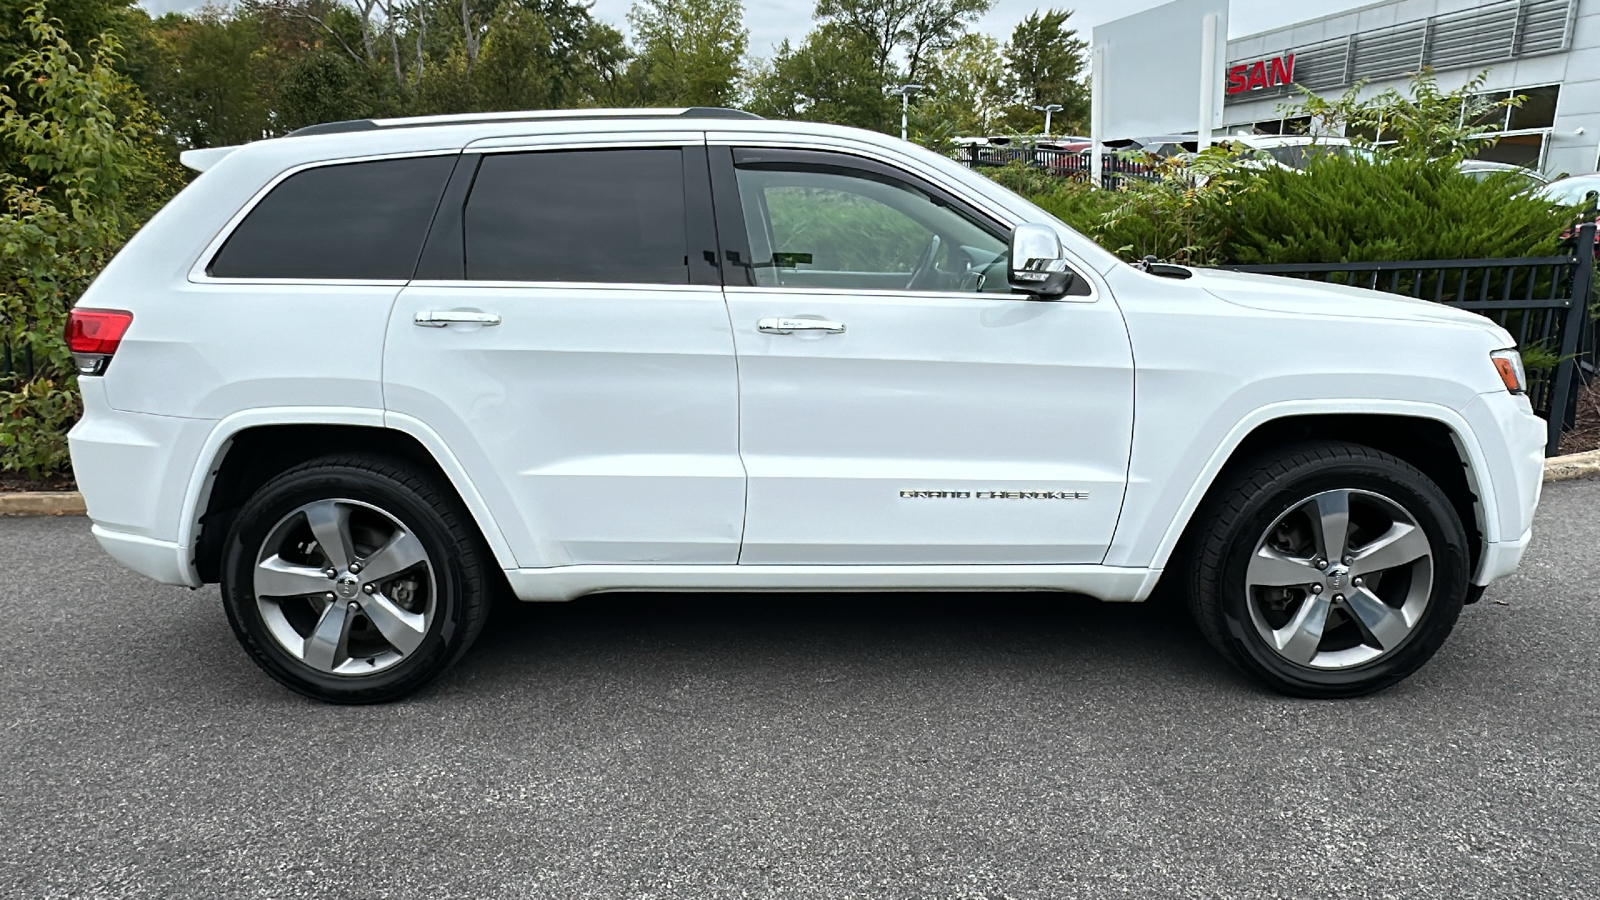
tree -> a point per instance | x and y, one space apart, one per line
207 87
690 51
1044 60
966 91
832 76
1423 123
910 29
322 86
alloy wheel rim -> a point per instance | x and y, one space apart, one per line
1339 580
345 587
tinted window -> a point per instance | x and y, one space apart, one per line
361 221
612 216
837 228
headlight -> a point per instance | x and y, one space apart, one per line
1509 364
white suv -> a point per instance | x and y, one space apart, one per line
370 374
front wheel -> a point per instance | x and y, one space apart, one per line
354 580
1328 570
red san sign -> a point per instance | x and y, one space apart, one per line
1263 73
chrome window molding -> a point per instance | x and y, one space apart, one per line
892 294
568 286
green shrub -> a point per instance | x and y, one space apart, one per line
86 143
1342 209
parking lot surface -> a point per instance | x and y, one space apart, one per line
833 747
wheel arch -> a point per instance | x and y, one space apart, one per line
1435 439
244 452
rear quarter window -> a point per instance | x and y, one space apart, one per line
363 221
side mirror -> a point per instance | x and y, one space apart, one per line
1038 265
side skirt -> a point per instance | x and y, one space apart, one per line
558 583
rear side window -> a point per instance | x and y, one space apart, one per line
363 221
609 216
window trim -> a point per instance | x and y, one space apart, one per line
733 235
198 273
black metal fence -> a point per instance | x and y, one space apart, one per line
1543 301
1115 168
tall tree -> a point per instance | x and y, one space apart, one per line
831 76
690 51
967 92
904 30
1044 62
208 90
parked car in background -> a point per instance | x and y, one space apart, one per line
371 374
1571 191
1296 151
1483 169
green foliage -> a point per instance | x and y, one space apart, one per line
966 93
1422 124
34 420
690 51
321 87
81 131
1351 210
831 76
1219 209
1044 64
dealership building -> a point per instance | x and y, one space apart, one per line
1545 50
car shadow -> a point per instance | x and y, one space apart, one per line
834 634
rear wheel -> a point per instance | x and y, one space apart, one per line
354 580
1328 570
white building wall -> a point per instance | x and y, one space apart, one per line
1575 142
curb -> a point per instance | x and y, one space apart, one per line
1577 465
42 503
70 503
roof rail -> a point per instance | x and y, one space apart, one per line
547 115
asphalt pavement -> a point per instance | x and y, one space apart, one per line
819 747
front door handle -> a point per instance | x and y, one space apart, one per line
790 326
442 317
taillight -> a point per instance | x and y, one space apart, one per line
93 336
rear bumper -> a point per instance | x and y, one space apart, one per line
164 561
134 470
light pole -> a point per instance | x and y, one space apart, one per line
905 91
1047 109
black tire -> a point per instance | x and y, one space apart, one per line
1241 509
461 586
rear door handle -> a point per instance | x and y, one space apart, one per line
442 317
777 325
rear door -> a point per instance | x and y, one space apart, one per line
898 403
567 338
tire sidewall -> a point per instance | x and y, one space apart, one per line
287 493
1446 537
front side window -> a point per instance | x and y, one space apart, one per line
609 216
360 221
826 226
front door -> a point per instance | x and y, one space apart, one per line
898 403
566 336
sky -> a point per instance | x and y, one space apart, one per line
770 21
